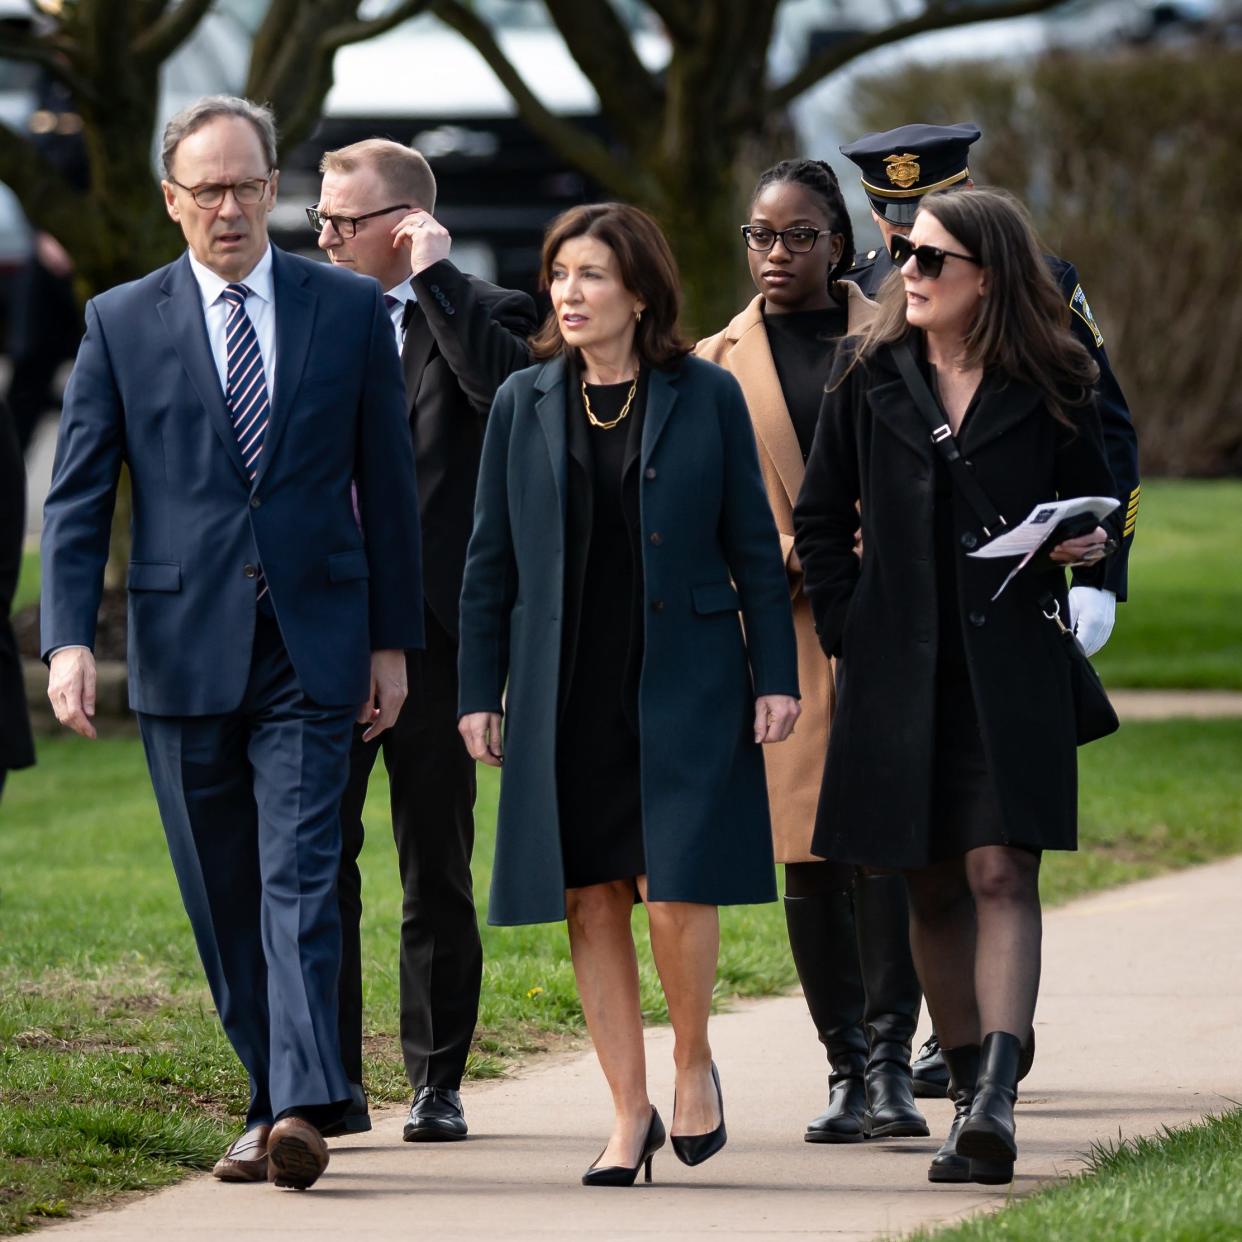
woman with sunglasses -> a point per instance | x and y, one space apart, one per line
799 242
952 757
621 538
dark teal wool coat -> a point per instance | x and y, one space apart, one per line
709 553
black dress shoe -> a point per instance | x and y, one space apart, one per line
356 1119
693 1149
623 1174
931 1074
436 1116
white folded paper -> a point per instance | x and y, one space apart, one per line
1032 533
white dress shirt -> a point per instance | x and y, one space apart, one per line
260 306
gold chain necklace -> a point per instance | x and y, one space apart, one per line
625 409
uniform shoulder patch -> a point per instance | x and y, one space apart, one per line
1078 304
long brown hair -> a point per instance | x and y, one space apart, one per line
648 270
1023 327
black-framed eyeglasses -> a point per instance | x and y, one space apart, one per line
798 240
347 226
211 194
930 259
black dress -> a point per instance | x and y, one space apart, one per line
804 344
964 810
598 761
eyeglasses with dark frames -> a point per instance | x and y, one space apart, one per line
930 259
211 194
347 226
798 240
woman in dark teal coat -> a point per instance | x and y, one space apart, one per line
621 527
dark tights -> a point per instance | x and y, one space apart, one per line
975 930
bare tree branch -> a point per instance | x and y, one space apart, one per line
678 17
170 30
936 16
356 32
629 95
570 140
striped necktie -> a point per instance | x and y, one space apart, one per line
245 387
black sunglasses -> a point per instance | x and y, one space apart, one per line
930 259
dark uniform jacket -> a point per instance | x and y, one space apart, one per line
709 553
1120 441
878 615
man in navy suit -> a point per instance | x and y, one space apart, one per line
274 586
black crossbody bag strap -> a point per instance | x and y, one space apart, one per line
942 437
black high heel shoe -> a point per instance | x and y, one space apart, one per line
693 1149
622 1174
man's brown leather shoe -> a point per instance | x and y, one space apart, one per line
246 1160
296 1154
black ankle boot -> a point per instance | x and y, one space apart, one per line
822 939
947 1164
988 1132
963 1067
891 1006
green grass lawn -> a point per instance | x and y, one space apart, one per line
1183 1186
113 1071
1182 627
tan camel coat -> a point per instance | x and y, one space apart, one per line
794 767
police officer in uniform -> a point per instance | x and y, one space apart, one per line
898 167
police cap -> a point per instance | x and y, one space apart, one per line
900 165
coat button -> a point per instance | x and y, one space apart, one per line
969 539
976 618
250 571
255 502
657 605
657 538
649 473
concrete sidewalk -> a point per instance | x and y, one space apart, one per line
1138 1028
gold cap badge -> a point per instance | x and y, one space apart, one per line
902 170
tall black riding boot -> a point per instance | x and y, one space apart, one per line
988 1133
947 1164
822 938
891 1010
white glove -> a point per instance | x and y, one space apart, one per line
1092 613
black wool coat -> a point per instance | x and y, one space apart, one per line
879 616
711 561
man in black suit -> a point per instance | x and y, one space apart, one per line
459 337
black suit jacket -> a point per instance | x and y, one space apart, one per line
16 747
464 340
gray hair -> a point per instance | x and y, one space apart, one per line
207 109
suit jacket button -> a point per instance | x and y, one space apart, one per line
255 502
249 571
657 605
969 539
649 473
977 618
657 538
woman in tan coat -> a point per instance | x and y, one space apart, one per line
780 348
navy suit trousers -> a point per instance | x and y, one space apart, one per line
250 803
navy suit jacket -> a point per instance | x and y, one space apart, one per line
145 391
